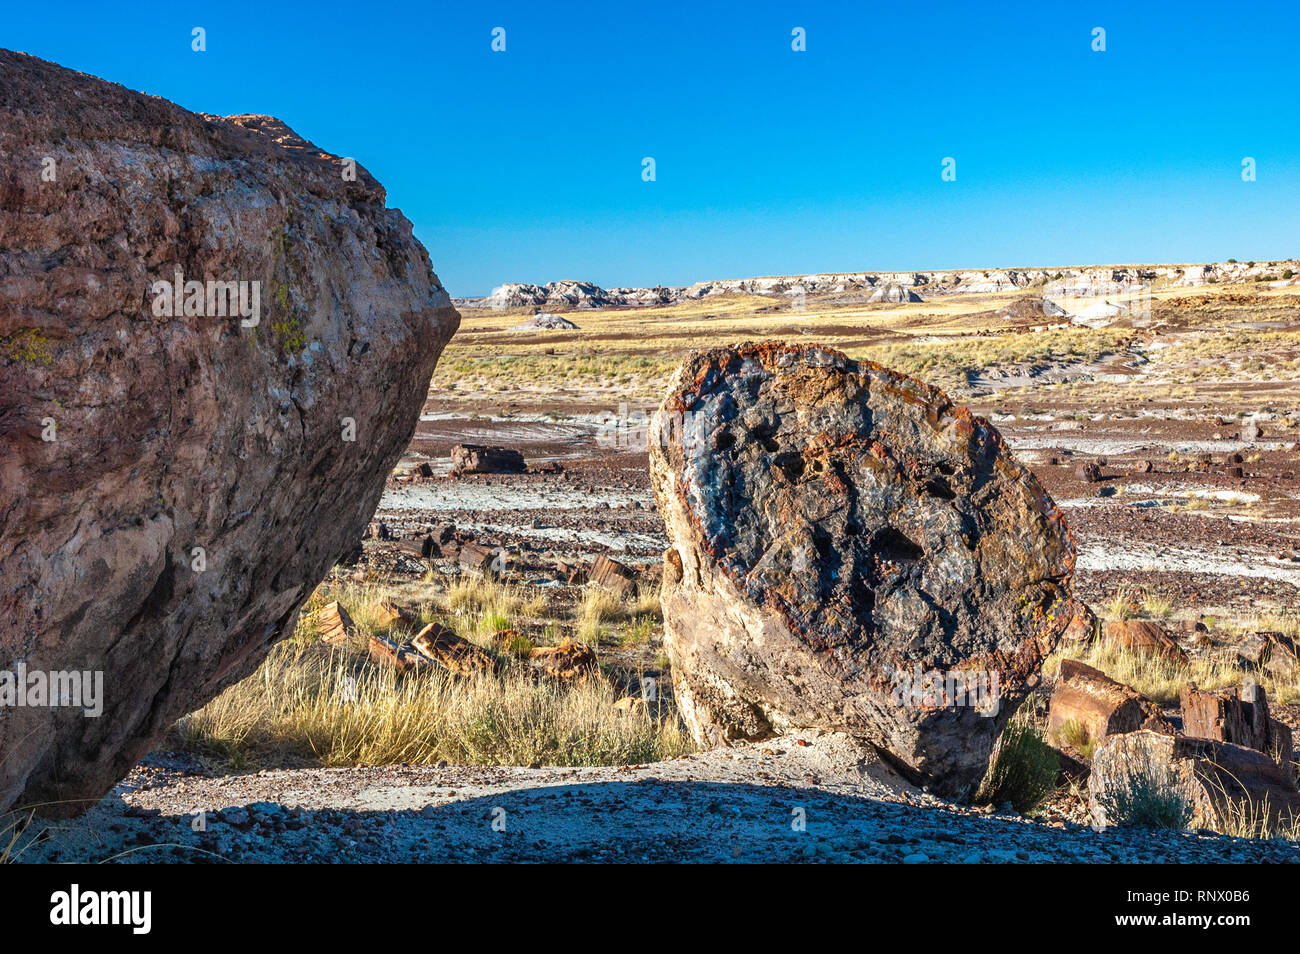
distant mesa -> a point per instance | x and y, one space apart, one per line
1092 282
545 321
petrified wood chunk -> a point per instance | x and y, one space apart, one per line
840 531
568 661
477 459
334 624
612 575
1239 716
1087 705
1223 785
453 652
1142 636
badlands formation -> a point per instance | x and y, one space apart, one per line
1088 283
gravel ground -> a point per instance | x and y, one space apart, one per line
813 798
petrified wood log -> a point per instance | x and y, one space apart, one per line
838 531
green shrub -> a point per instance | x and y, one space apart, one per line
1024 769
1145 795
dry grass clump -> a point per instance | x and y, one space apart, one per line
13 829
951 363
600 606
1075 735
1247 818
317 705
1157 677
309 706
485 605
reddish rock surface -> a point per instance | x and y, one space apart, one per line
567 661
453 652
1223 785
1087 706
176 433
1239 716
836 528
1142 636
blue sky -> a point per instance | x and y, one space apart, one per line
526 165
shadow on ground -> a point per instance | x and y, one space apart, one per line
650 821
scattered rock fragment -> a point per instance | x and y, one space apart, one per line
478 459
453 652
386 652
1084 625
1142 636
1239 716
568 661
569 573
612 575
334 624
1087 706
1220 783
1269 650
1088 473
477 559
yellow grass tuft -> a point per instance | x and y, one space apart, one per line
305 705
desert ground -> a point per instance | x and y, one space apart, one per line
1191 414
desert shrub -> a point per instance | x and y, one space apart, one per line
1143 794
1024 768
1287 274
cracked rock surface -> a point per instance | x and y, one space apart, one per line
172 488
850 552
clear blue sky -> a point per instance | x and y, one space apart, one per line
526 165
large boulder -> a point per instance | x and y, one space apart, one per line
852 552
175 481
